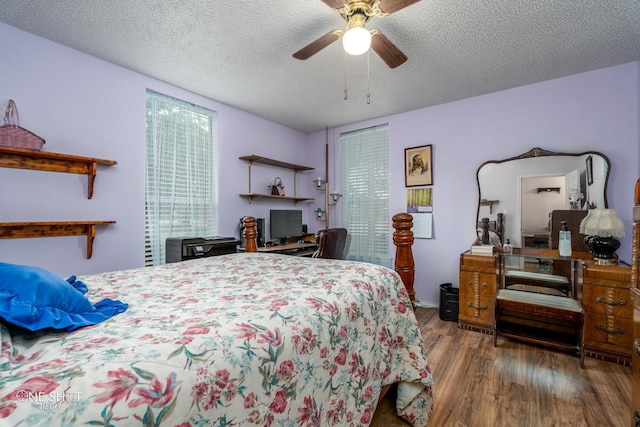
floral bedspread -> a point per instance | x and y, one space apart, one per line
236 340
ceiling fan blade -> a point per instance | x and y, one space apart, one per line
390 6
334 4
316 46
387 50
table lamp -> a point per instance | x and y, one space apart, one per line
601 226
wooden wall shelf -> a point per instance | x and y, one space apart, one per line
53 162
277 163
19 230
252 196
490 203
265 161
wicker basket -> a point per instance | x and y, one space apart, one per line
12 135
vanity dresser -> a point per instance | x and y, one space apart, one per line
603 324
602 290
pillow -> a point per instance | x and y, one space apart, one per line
36 299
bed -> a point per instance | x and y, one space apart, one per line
235 340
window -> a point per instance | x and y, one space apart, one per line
181 192
365 186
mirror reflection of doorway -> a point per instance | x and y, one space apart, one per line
539 196
499 185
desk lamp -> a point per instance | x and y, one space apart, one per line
601 227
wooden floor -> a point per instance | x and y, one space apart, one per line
513 384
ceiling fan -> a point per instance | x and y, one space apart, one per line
356 39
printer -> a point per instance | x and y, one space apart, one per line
184 248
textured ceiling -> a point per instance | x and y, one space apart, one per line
239 52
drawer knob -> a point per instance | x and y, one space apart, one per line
620 302
610 331
482 307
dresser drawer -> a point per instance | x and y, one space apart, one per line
477 285
610 330
481 308
477 298
478 318
617 276
613 301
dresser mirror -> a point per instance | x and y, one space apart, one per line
522 191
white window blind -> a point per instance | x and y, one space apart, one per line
181 165
365 187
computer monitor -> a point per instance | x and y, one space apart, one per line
285 223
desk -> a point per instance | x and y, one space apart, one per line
297 249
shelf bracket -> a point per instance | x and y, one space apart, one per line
91 174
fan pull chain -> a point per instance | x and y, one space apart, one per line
345 76
368 78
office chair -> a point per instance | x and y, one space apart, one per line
331 243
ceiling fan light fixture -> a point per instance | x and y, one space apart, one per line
356 40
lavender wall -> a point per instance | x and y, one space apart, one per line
596 110
85 106
88 107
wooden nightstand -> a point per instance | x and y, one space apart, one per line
608 313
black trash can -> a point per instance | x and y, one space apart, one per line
449 297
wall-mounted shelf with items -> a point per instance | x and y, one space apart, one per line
548 189
252 196
253 159
53 162
19 230
19 158
490 203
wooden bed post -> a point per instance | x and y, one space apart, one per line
404 264
250 234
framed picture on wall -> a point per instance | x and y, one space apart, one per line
589 170
418 166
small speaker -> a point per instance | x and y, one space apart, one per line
260 238
304 229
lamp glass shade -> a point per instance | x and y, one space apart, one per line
356 41
603 223
583 223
